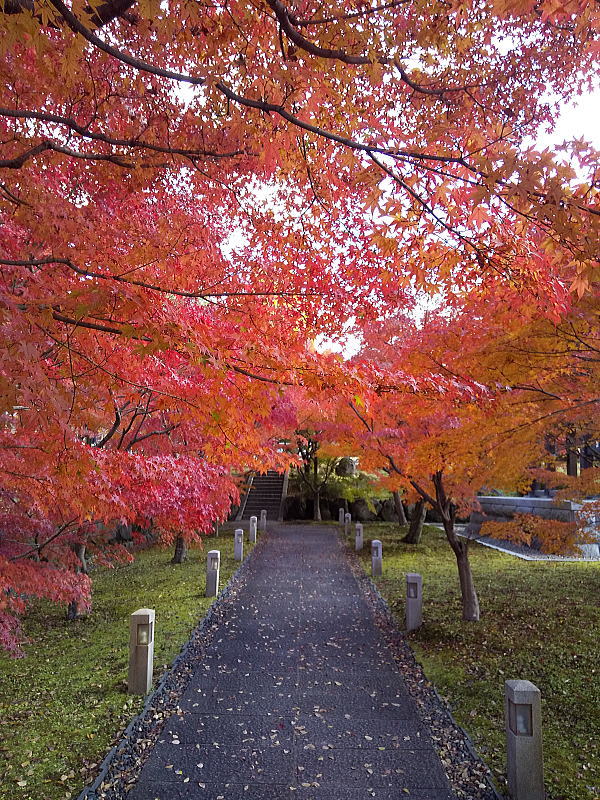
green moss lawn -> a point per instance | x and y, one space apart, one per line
540 622
62 705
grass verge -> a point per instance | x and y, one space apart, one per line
65 702
540 622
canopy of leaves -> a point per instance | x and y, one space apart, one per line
192 195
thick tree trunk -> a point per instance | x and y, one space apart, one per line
417 518
316 491
73 612
399 508
572 455
586 455
180 554
470 601
317 506
81 556
460 547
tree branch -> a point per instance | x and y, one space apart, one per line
424 494
79 323
39 547
305 23
78 27
288 27
113 430
203 295
108 11
137 439
133 143
361 418
263 105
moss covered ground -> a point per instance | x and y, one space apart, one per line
63 704
540 621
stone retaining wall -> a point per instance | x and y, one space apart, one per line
499 509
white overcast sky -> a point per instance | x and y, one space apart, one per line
579 118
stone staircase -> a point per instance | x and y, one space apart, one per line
266 491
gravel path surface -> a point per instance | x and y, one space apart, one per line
302 688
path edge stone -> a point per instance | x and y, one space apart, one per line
404 654
169 688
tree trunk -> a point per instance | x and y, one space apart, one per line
417 518
81 556
572 454
586 455
470 601
460 547
317 506
399 508
180 554
73 612
316 491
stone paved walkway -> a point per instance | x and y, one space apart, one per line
298 697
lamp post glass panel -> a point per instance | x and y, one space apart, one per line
520 718
144 633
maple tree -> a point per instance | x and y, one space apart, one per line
454 406
191 194
311 478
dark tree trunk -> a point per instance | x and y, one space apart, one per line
460 547
81 556
586 455
417 518
73 611
399 508
572 456
470 601
316 492
317 506
181 550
